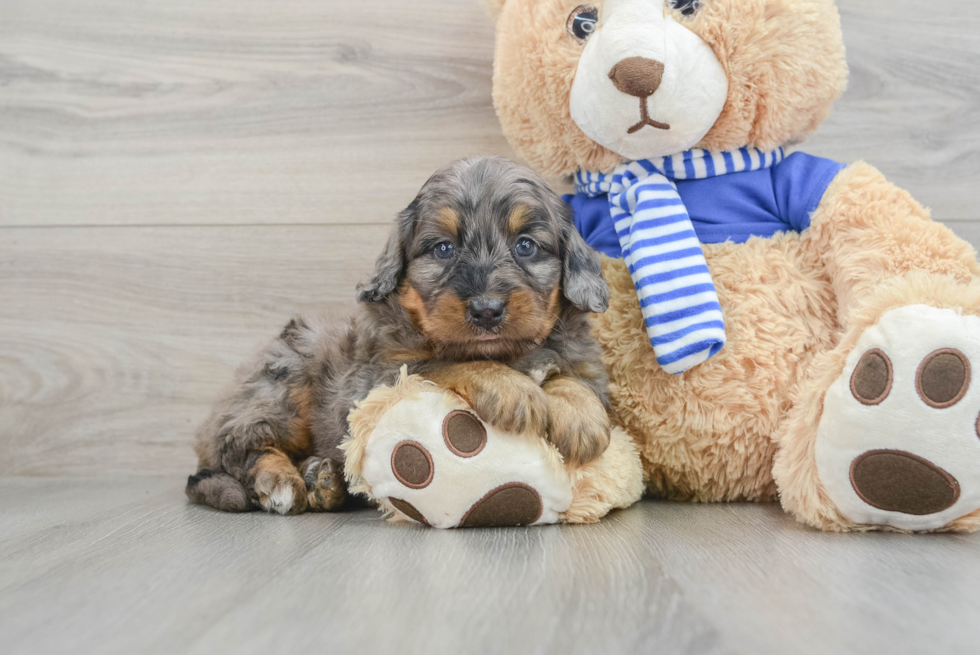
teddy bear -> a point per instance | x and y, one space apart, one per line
422 454
781 327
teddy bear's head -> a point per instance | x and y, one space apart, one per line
590 84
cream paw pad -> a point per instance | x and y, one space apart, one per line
424 455
898 444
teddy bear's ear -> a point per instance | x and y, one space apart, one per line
495 7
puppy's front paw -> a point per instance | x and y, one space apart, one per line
514 404
578 423
500 395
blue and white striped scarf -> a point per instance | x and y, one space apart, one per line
663 253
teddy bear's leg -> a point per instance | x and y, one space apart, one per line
422 453
867 231
885 432
613 481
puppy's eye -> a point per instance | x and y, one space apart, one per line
526 248
685 7
582 22
445 250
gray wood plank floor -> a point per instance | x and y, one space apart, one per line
178 178
126 566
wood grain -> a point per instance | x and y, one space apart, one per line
235 111
142 571
252 112
114 341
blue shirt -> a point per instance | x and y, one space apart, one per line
732 207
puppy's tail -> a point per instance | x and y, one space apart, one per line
217 490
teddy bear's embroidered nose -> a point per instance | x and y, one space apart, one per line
637 76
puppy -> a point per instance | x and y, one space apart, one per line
484 288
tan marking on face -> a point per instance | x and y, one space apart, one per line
518 219
447 320
410 299
448 219
530 316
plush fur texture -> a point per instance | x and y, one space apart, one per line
613 481
743 426
706 435
784 60
795 469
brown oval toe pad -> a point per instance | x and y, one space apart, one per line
943 378
896 481
511 504
412 465
464 434
872 379
408 509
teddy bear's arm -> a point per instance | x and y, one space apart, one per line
868 230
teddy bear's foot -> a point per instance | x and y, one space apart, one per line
898 444
424 455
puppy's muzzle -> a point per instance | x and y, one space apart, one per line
486 313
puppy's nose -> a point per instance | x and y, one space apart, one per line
486 313
637 76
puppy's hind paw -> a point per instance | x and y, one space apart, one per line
276 485
326 490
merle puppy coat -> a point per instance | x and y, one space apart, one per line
484 288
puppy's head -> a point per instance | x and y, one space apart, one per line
485 259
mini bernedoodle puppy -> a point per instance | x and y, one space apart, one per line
484 288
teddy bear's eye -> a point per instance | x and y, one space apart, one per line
685 7
582 22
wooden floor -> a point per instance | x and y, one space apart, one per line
125 566
177 178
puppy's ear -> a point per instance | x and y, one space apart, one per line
495 7
390 267
582 281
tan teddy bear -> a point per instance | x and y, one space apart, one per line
780 326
